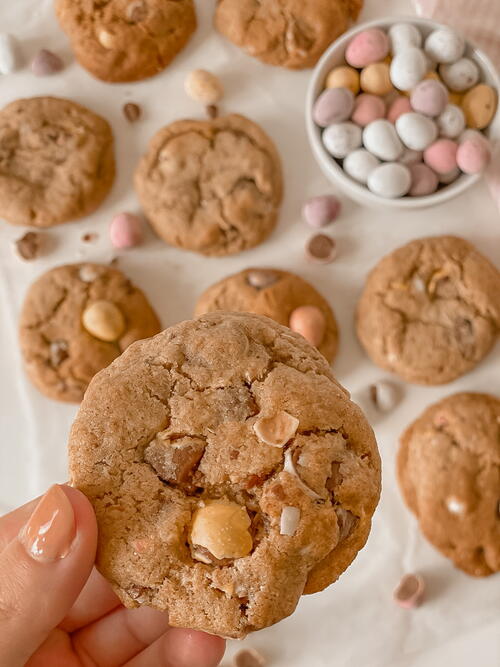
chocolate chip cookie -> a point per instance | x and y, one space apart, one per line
280 295
290 33
75 320
430 310
126 40
56 161
229 471
449 474
212 186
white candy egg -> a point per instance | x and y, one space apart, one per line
359 164
444 45
341 139
408 67
416 131
390 180
381 139
451 122
460 76
403 35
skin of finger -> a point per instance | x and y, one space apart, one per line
11 523
36 596
57 651
96 600
182 648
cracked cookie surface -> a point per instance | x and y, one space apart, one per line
213 187
275 294
430 310
56 161
290 33
449 474
229 471
60 355
126 40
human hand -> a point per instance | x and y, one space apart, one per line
56 610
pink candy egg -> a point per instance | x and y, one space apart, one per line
397 108
473 156
429 97
441 156
334 105
423 180
367 108
125 230
369 46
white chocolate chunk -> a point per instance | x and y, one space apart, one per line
289 521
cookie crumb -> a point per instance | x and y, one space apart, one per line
212 111
132 112
58 352
90 237
29 246
249 657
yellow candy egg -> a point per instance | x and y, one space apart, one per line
375 79
479 105
455 98
344 77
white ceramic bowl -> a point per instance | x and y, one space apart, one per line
334 56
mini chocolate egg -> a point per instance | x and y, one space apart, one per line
416 131
441 156
451 122
359 164
333 106
368 46
390 180
444 45
341 139
473 155
451 176
408 67
423 180
429 97
479 106
403 35
381 139
343 77
367 108
460 76
375 79
397 108
410 156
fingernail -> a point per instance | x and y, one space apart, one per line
50 531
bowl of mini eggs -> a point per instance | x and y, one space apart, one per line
403 113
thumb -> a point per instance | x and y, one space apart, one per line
43 570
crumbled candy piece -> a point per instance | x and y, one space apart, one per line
125 230
248 657
46 63
309 322
203 87
9 53
104 320
276 430
289 467
137 11
409 592
132 111
221 527
90 237
29 246
58 352
384 395
321 248
261 278
212 111
289 520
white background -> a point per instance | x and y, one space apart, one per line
354 623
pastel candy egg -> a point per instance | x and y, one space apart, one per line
341 139
429 97
423 180
410 156
416 131
460 76
381 139
344 77
321 211
359 164
397 108
479 106
375 79
473 156
368 46
125 230
367 108
9 53
441 156
408 67
451 122
403 35
444 45
390 180
333 106
451 176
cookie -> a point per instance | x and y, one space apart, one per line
229 471
279 295
126 40
56 161
212 186
290 33
449 474
430 310
76 319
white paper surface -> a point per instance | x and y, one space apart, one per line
354 623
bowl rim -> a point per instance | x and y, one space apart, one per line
331 168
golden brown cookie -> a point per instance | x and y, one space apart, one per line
280 295
213 186
290 33
75 320
56 161
126 40
449 475
229 471
430 310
